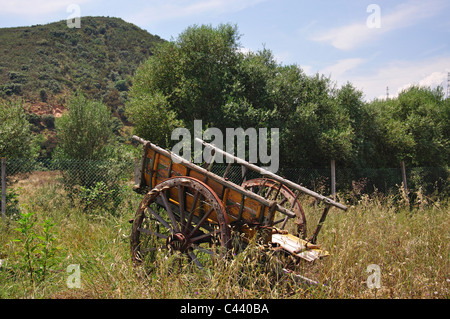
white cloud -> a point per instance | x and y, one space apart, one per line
353 35
400 75
175 9
433 80
342 67
245 50
36 7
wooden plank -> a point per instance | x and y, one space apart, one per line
298 247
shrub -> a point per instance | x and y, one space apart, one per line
49 121
43 95
38 254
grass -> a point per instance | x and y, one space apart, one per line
411 247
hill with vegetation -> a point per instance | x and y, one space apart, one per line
44 64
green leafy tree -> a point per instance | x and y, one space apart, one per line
411 128
153 118
16 139
203 75
84 132
89 153
186 79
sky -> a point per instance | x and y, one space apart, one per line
379 46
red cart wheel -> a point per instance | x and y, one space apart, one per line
270 189
181 217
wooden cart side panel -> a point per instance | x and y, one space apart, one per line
149 167
163 164
163 168
215 186
201 207
160 167
178 170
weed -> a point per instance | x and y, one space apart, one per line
38 254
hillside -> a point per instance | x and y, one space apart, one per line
44 64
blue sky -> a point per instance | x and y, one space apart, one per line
372 44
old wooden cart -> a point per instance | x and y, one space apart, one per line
191 211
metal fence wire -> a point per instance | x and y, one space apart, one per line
88 174
385 180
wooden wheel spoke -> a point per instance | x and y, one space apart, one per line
160 219
150 249
181 204
200 223
191 212
204 250
203 236
152 233
284 200
169 212
195 259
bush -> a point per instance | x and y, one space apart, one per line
49 121
43 95
15 135
12 203
121 85
101 196
12 88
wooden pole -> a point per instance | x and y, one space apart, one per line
405 186
3 188
137 171
258 170
244 173
333 179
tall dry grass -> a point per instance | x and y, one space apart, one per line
411 248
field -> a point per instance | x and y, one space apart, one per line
410 246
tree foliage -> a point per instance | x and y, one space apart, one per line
16 139
203 75
84 132
413 127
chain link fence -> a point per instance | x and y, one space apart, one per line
90 180
430 180
91 183
84 173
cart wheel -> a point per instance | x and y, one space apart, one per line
183 217
270 189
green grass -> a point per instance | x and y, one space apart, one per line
411 247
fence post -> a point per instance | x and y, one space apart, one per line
333 179
405 186
137 171
244 173
3 188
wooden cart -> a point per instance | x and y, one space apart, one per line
190 211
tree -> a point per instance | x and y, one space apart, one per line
203 75
188 79
88 153
84 132
153 117
410 128
16 139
